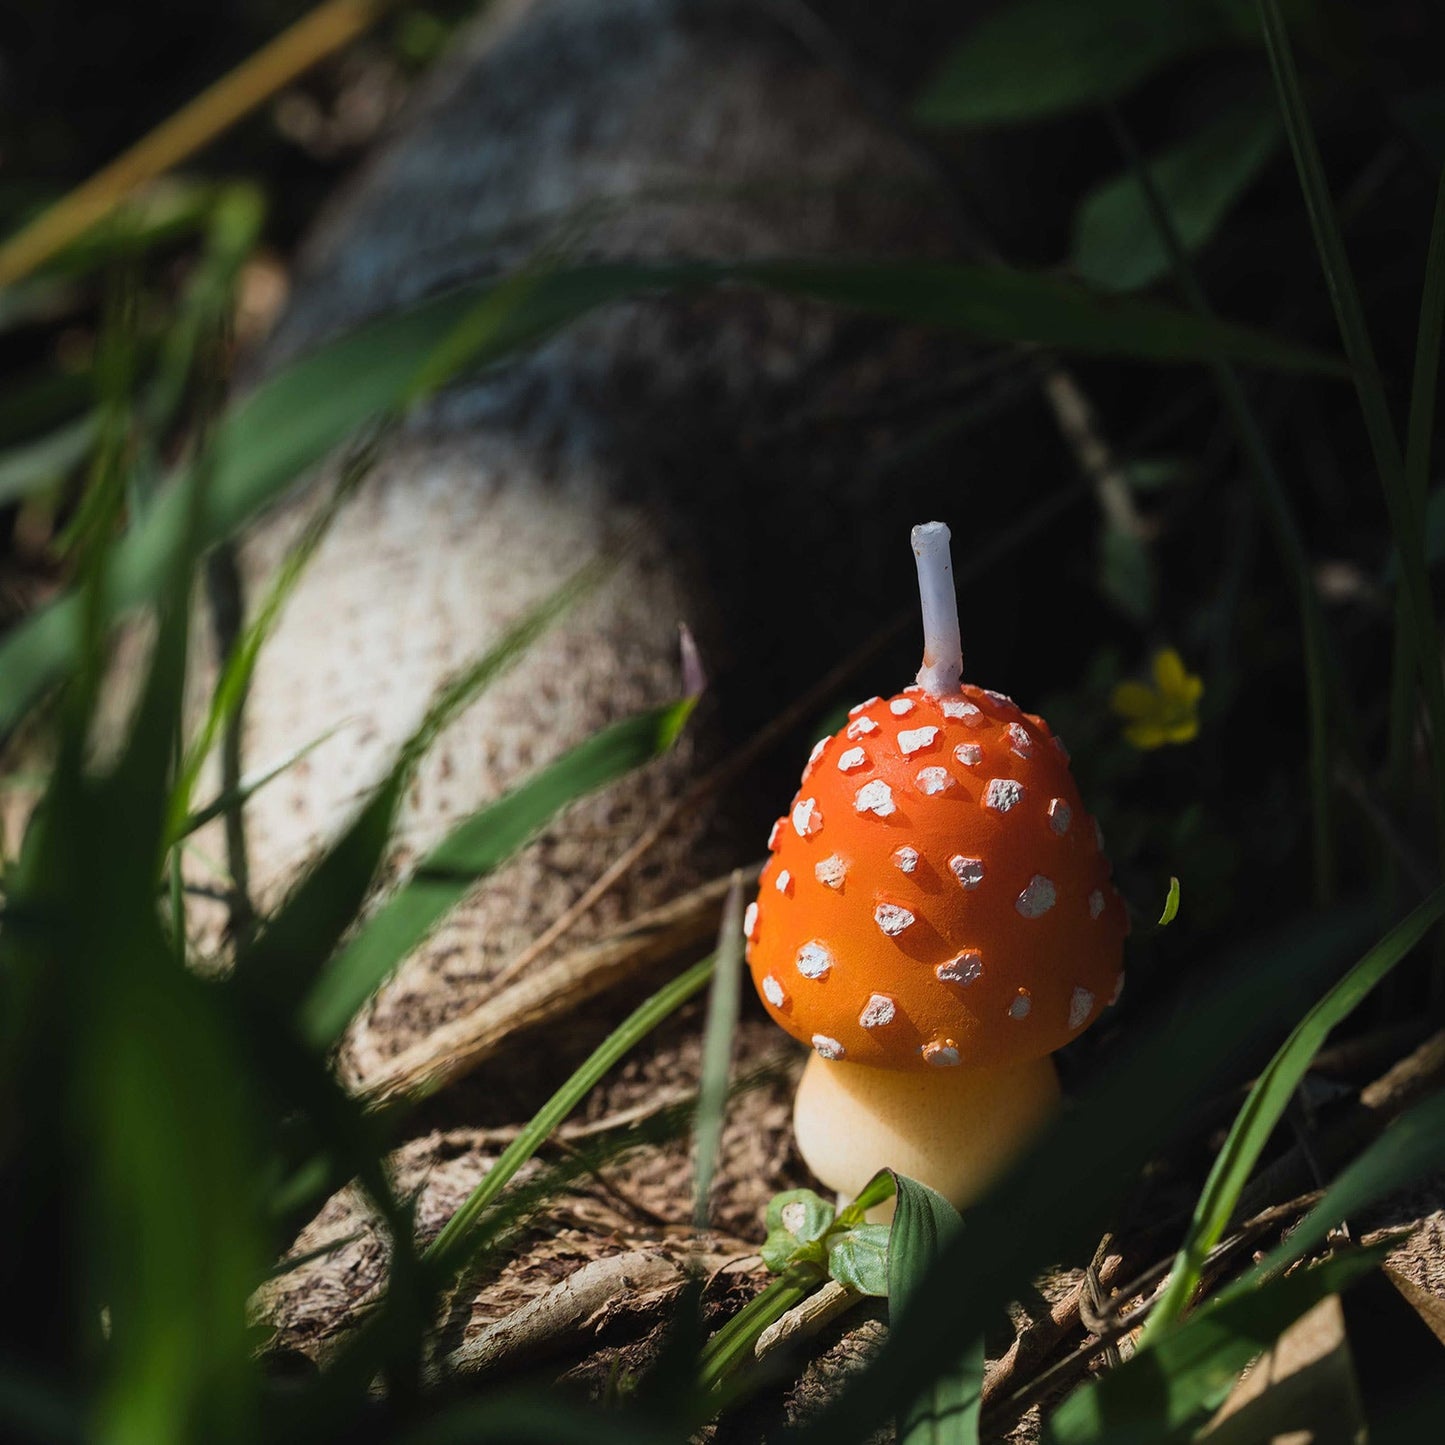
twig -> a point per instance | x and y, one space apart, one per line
460 1046
803 1321
571 1310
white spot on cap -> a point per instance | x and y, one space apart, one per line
861 727
784 883
958 707
814 960
1059 747
1081 1004
1037 898
1002 794
964 968
1020 741
876 798
1118 989
968 871
905 859
1022 1005
900 706
877 1012
933 780
774 835
827 1048
1002 698
941 1053
1096 903
773 992
852 758
1060 816
914 740
830 871
969 754
807 817
750 920
817 752
893 918
1098 835
863 706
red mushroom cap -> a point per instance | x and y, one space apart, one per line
937 894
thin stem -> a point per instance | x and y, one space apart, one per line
942 668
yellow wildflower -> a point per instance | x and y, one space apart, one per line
1168 712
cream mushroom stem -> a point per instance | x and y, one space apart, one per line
955 1130
942 669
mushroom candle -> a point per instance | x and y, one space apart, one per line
935 920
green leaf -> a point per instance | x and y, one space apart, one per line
1163 1393
796 1218
995 303
1037 58
1116 245
38 464
1171 904
947 1412
1266 1103
724 1002
448 1251
858 1258
473 849
1126 573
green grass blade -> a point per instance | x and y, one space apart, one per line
1116 246
1412 1148
994 303
37 464
284 963
449 1250
1131 1112
467 854
248 787
947 1412
1404 513
723 1005
1163 1394
1266 1104
1039 58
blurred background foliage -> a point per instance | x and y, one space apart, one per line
1273 529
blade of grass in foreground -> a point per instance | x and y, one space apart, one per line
1266 1103
448 1251
1162 1394
468 853
947 1412
1404 515
724 1001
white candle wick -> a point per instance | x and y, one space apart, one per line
942 669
